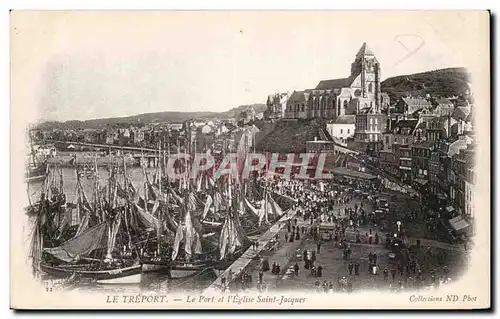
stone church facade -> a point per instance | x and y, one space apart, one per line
357 94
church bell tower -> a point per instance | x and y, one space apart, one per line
367 66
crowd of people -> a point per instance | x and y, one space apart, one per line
342 206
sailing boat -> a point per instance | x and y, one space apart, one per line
188 257
233 239
73 257
91 253
36 170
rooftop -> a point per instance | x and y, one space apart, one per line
346 119
364 51
414 101
443 101
459 114
334 83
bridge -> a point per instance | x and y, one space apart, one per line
108 146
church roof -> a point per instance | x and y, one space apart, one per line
335 83
364 51
299 96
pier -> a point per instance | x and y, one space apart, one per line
250 254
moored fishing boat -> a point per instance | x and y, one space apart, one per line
123 275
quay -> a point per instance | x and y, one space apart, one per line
250 254
266 242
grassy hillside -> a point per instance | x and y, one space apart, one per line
173 117
289 136
443 83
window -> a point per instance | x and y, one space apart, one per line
425 172
348 131
345 104
376 137
371 121
376 121
405 141
341 131
370 88
420 171
387 140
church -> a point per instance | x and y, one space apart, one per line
357 94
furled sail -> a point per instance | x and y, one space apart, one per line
83 209
179 236
275 207
232 235
242 151
187 232
113 228
250 207
80 245
192 243
147 220
208 204
265 210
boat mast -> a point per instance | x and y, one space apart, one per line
31 146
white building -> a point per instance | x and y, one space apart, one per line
469 191
207 129
342 128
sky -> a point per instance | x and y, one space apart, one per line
83 65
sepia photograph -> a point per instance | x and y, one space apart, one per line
250 159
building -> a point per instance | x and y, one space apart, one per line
443 107
385 101
404 153
370 126
400 134
470 182
138 135
463 177
276 105
320 146
389 162
342 128
348 96
437 128
434 171
420 154
410 105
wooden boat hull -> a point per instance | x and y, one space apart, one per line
154 264
148 268
125 275
133 279
176 274
185 269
